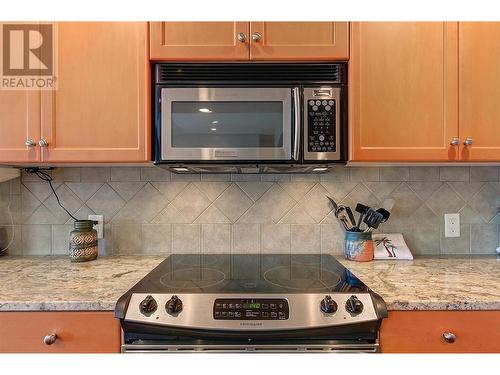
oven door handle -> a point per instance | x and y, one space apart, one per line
297 118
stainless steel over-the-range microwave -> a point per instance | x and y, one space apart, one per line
250 117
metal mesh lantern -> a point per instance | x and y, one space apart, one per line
83 242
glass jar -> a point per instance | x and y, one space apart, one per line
83 242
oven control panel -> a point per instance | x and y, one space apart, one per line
322 126
251 309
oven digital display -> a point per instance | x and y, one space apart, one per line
251 309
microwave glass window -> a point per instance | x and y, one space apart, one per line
222 124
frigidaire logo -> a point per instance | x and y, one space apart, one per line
28 56
250 324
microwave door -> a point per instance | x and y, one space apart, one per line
226 124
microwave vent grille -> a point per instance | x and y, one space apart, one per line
253 72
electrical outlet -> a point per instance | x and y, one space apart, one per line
452 225
99 227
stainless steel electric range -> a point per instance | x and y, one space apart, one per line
250 302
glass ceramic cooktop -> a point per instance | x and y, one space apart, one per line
249 273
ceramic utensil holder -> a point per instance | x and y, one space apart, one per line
83 242
358 246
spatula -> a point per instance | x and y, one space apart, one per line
373 218
384 213
362 209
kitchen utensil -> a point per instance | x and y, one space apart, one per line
350 215
344 220
349 218
385 215
372 218
334 204
343 213
361 208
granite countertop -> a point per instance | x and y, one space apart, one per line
54 283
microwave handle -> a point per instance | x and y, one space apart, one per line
297 117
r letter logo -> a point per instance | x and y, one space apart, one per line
28 56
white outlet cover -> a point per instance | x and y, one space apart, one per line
452 225
99 227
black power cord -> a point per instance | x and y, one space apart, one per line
48 178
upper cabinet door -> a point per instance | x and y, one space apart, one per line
299 40
403 101
479 56
19 124
100 110
199 40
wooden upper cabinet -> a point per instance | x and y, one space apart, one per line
100 110
19 122
403 84
479 56
199 40
299 40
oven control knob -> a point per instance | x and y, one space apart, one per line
328 305
148 305
174 305
354 305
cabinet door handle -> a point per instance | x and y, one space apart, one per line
256 36
50 339
43 142
468 141
242 37
449 337
30 143
455 141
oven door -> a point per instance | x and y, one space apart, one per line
229 124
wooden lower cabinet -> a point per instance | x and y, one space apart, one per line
422 332
77 332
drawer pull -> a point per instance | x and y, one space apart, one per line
449 337
50 339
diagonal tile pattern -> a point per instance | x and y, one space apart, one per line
150 210
270 208
445 201
487 201
233 202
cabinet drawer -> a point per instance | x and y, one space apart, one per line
422 332
77 332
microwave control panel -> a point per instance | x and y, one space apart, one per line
321 119
322 123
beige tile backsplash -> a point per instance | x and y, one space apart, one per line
148 210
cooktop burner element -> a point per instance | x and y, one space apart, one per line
249 297
192 278
303 278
